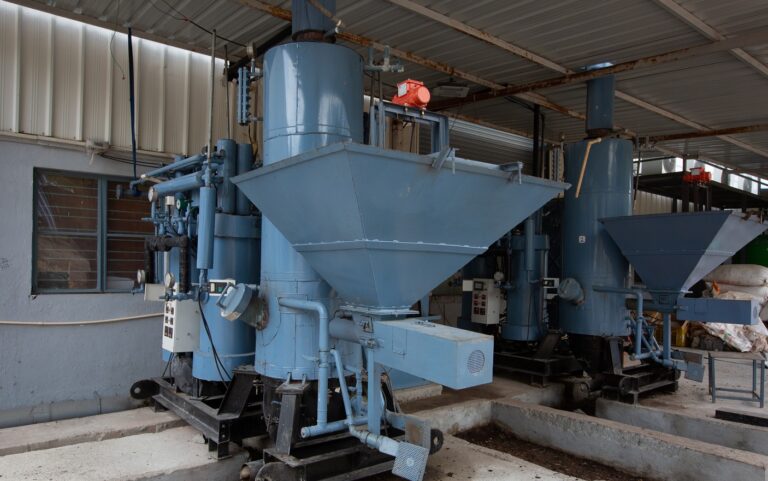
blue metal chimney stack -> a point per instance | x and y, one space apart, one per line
601 170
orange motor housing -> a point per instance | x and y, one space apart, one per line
697 175
412 93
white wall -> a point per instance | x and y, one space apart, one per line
51 373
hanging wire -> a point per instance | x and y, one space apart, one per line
112 39
184 18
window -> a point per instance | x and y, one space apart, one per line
86 238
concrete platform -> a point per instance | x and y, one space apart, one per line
638 451
709 430
145 445
176 454
81 430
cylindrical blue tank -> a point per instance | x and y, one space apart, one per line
525 297
312 98
227 190
589 254
235 256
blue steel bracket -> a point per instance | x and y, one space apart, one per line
445 355
728 311
438 123
515 170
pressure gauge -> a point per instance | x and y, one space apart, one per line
169 280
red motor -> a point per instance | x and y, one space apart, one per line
412 93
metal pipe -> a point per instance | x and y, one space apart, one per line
667 337
206 223
213 83
375 409
181 163
179 184
584 164
350 421
640 323
323 348
343 385
244 164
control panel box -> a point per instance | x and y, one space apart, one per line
486 301
181 326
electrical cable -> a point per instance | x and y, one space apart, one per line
217 360
132 101
184 18
168 364
111 40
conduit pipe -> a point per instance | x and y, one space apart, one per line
584 163
78 323
323 348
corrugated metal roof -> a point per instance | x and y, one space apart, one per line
713 90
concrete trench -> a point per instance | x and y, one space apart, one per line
639 440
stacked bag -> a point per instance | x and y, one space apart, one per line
750 279
741 281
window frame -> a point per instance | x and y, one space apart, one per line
101 235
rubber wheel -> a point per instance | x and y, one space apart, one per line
435 441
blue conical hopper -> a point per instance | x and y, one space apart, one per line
384 227
671 252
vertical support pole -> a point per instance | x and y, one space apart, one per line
212 94
712 380
425 305
375 409
696 198
762 384
667 337
536 166
686 196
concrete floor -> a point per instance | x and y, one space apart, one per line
144 445
693 397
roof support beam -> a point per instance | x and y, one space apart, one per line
744 129
711 33
756 37
285 14
526 54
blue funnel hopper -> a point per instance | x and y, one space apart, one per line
384 227
671 252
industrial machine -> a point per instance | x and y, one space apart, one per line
207 237
600 238
351 236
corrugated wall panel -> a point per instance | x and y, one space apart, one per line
648 203
68 81
73 85
120 133
176 99
36 72
200 68
97 107
151 80
10 18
